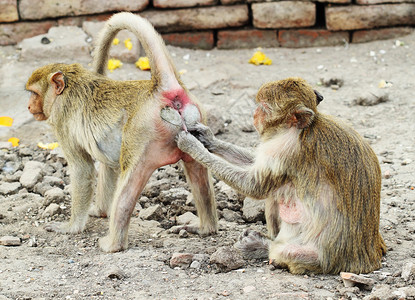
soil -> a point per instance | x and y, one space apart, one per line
369 85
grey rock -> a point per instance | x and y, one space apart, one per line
7 188
227 259
351 279
187 218
174 194
115 273
408 271
10 241
182 260
253 210
54 195
154 212
51 210
230 215
32 172
66 42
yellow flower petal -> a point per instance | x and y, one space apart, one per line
114 64
115 41
14 141
128 44
143 63
260 58
49 146
6 121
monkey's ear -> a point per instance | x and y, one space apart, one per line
58 82
303 118
319 97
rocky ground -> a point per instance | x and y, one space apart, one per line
369 85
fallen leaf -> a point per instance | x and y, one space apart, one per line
128 44
143 63
14 141
259 58
49 146
6 121
114 64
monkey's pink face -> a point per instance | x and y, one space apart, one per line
35 106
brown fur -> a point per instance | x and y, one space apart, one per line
320 179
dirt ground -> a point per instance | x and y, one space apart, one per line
372 88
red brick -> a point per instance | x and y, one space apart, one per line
41 9
365 17
193 40
363 36
11 34
182 3
231 2
284 14
365 2
311 38
335 1
8 11
198 18
78 21
249 38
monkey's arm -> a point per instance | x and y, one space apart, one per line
232 153
249 181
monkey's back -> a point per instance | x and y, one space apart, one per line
335 154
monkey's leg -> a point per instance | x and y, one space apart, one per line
202 189
129 187
289 250
82 175
272 217
107 182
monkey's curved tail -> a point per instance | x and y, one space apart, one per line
163 71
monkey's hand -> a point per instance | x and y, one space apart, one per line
204 135
189 144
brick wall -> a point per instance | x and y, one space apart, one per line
224 24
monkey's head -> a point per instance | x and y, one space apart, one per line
45 84
286 103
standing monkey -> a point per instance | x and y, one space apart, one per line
128 126
320 179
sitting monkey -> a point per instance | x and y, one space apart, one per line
320 179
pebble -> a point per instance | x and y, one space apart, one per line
406 162
182 260
10 241
8 188
253 210
154 212
227 259
249 289
408 271
54 195
351 279
195 265
115 273
183 233
51 210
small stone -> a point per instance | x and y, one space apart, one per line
227 259
406 162
32 242
195 265
227 190
181 260
32 172
154 212
253 210
51 210
380 292
54 195
6 145
10 241
187 218
115 273
7 188
183 233
230 215
408 271
387 174
351 279
174 194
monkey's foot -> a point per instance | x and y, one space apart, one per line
62 227
253 244
96 212
107 244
